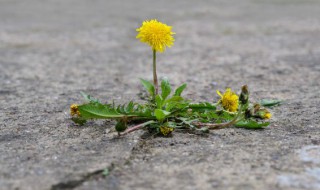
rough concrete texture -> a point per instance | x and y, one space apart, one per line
51 50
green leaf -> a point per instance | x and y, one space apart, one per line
98 111
171 124
159 101
161 114
106 111
174 99
179 90
148 86
227 115
251 124
175 102
269 102
130 107
204 106
209 115
188 122
89 98
165 89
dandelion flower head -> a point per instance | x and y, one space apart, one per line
156 34
74 110
229 100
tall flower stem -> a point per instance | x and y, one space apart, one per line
155 78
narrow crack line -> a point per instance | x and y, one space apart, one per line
72 184
75 183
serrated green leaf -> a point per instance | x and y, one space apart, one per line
251 124
130 107
106 111
165 89
148 86
98 111
180 89
89 98
269 102
121 108
161 114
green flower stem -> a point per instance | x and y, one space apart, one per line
137 127
155 78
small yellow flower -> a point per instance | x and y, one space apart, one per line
156 34
166 130
267 115
263 114
74 110
229 100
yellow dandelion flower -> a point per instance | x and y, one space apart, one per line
229 100
156 34
166 130
74 110
267 115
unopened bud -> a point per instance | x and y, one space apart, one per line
244 96
256 107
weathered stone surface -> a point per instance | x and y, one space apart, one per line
52 50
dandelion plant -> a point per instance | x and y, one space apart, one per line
167 110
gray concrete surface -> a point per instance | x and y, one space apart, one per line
51 50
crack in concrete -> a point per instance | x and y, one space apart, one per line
72 184
75 183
